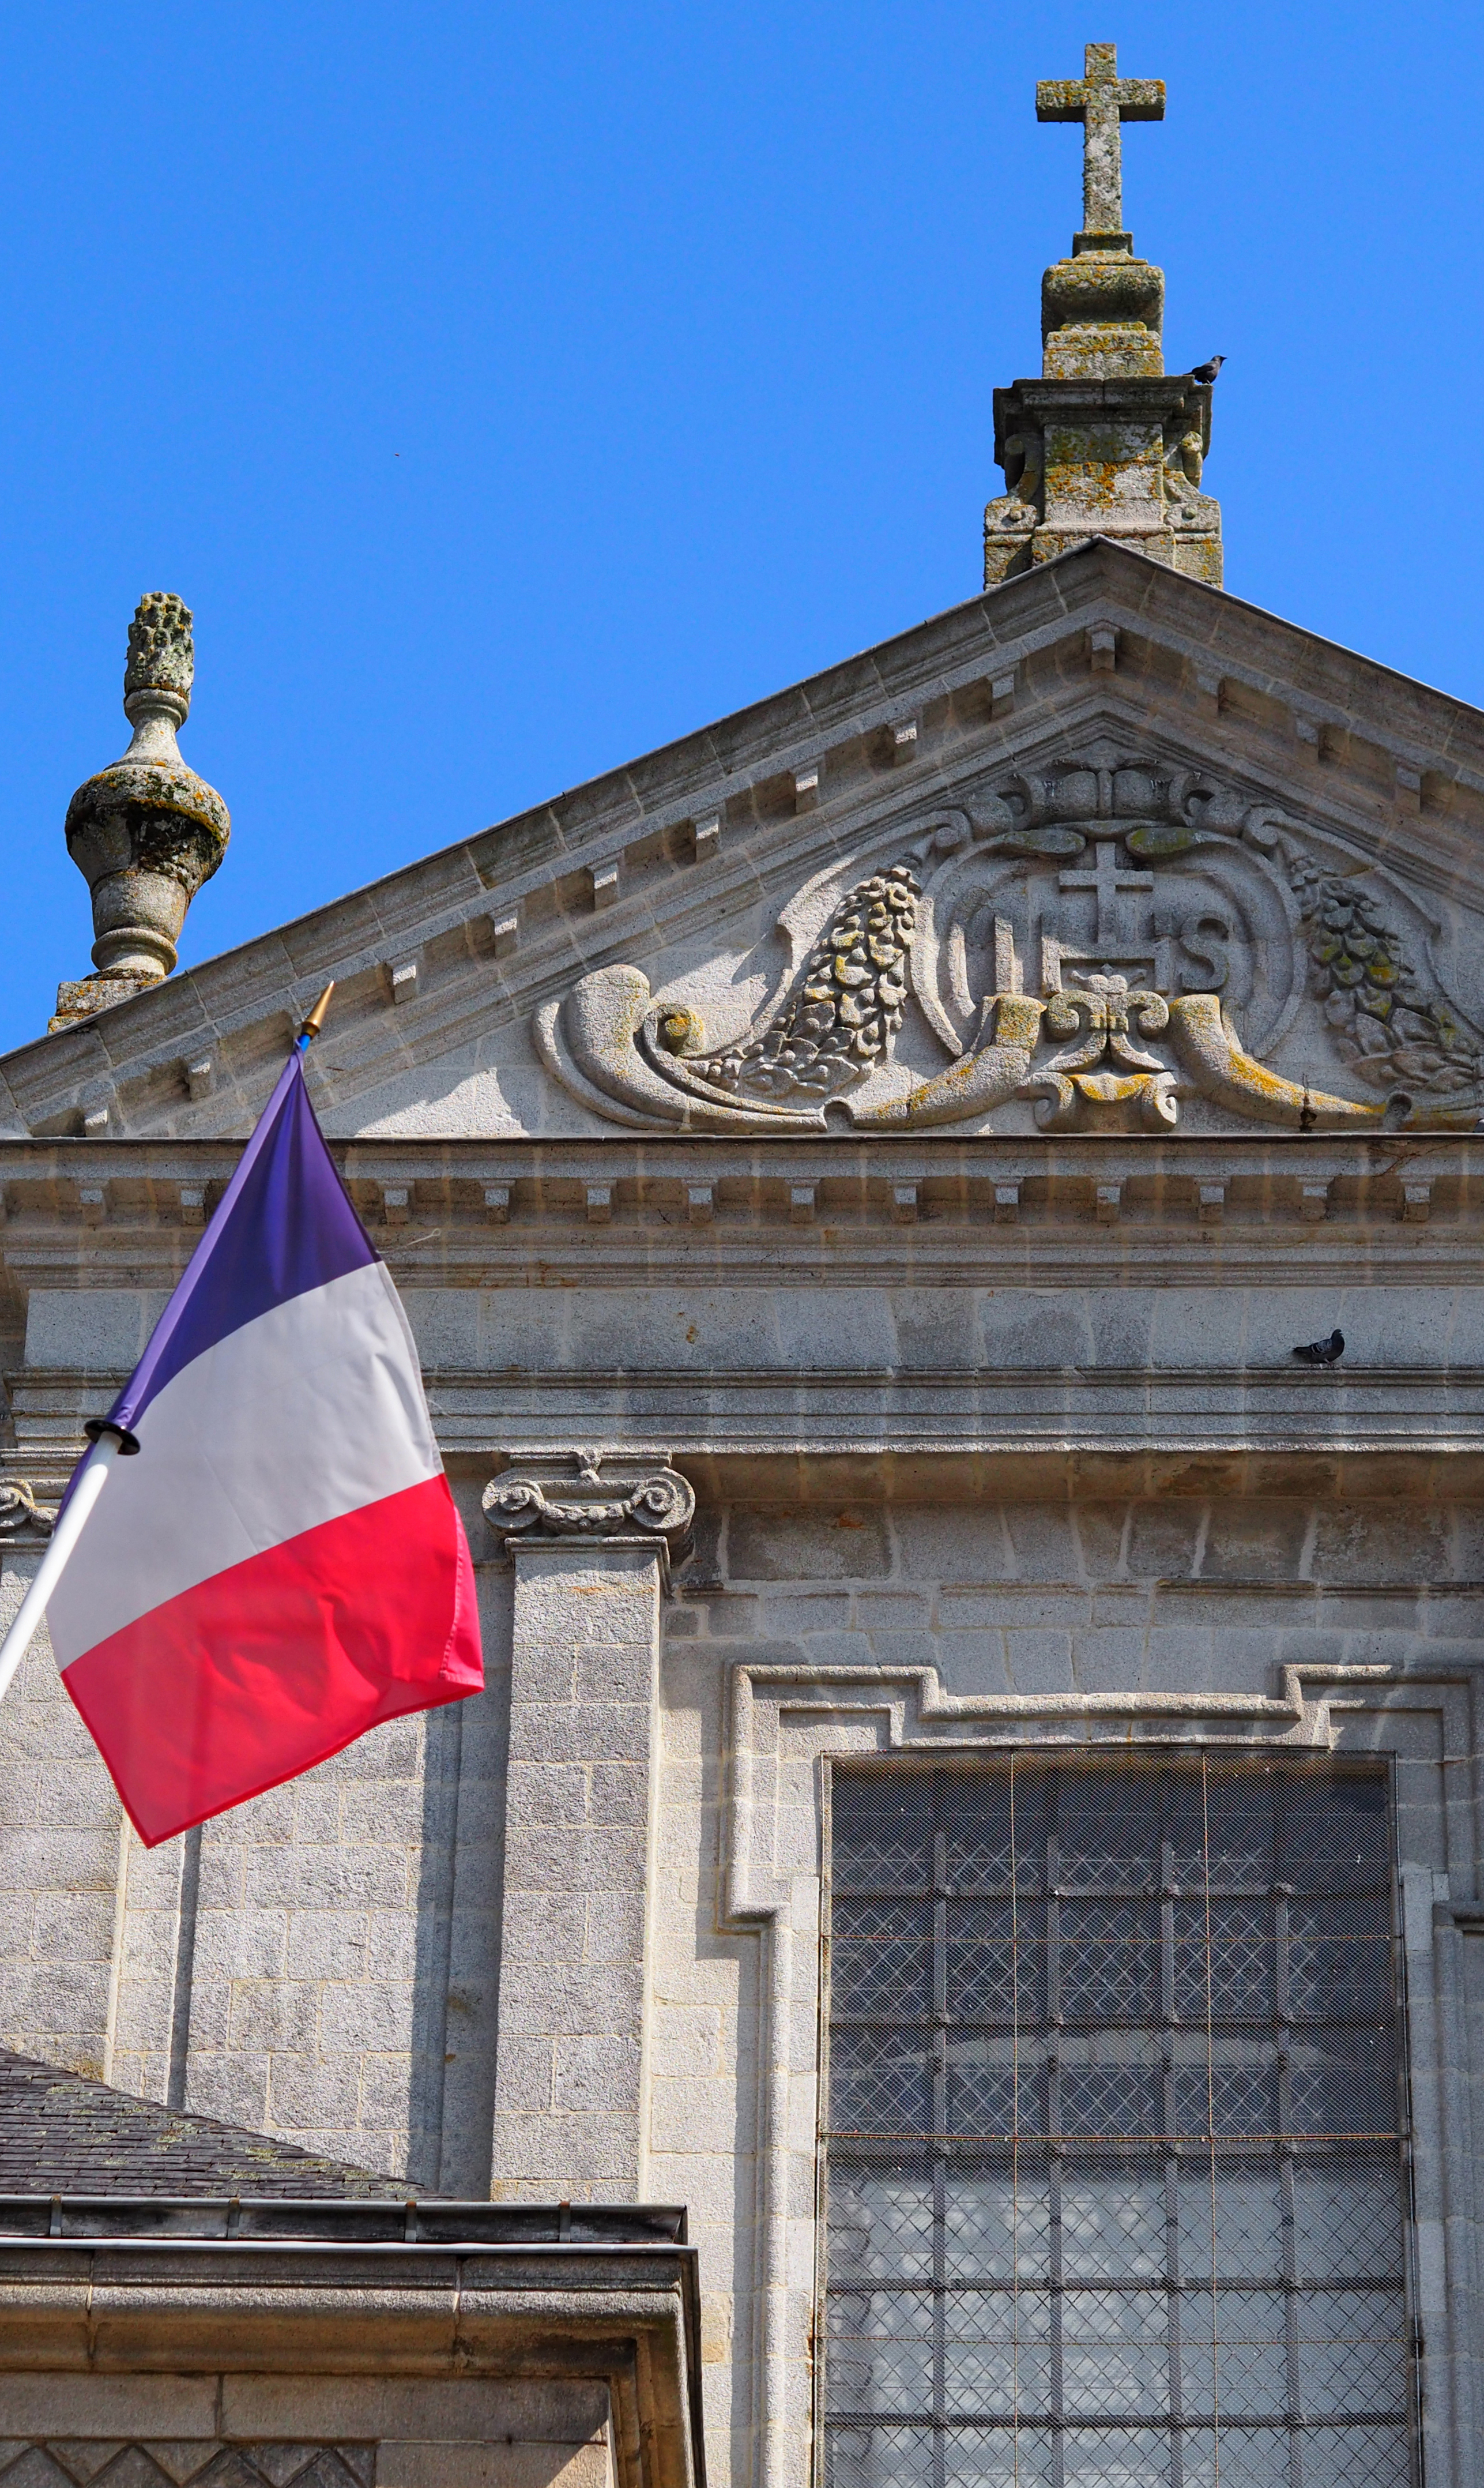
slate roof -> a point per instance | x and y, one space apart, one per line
61 2133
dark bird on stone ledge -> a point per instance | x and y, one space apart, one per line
1208 371
1323 1351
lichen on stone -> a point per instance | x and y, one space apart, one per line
147 832
1379 1013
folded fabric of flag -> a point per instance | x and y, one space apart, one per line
283 1566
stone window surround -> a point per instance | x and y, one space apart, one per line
789 1722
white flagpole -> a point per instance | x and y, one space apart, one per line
64 1538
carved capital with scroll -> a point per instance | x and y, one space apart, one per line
20 1514
589 1495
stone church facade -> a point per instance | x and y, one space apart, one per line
978 1792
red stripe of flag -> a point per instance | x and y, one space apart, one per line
269 1667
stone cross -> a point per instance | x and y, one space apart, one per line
1110 879
1101 102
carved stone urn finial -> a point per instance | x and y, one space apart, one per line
161 653
146 832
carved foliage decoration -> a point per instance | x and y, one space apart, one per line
1096 942
1382 1015
1123 1073
842 1015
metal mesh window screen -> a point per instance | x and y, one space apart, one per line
1113 2145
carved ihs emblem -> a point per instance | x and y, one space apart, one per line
1166 925
1128 933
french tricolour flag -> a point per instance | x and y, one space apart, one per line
283 1565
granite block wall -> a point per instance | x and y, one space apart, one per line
321 1964
326 2433
1183 1594
59 1862
326 1964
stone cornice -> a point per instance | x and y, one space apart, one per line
779 1473
625 2315
1015 1423
1034 1210
1091 1416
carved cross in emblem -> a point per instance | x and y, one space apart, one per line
1101 102
1111 880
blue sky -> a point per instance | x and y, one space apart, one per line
510 390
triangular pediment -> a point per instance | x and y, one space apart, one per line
1105 848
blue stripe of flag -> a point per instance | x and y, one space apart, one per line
284 1225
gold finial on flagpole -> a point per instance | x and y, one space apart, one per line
314 1020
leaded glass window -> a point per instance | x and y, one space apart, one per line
1114 2131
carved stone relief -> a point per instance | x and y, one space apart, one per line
581 1494
841 1018
1097 943
1385 1017
20 1514
86 2462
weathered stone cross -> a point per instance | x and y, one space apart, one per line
1101 102
1111 880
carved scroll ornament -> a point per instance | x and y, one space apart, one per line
20 1513
1148 916
658 1503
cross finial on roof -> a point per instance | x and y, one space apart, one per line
1101 102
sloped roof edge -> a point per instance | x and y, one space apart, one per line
63 2133
946 650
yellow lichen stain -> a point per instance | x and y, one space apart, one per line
681 1031
1198 1018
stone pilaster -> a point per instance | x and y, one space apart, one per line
591 1546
